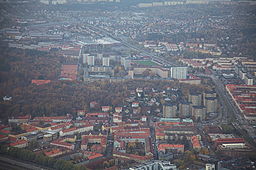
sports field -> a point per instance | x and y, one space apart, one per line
146 62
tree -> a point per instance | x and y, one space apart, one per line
106 164
204 151
33 144
40 159
3 149
146 73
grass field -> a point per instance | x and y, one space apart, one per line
146 62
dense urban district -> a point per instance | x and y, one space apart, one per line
127 84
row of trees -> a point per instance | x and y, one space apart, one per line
40 159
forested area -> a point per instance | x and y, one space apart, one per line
58 97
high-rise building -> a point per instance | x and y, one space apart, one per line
99 55
105 61
178 72
211 93
211 104
199 112
126 62
85 58
184 109
195 98
170 110
90 60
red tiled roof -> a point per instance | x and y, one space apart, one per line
69 129
97 148
3 137
60 126
40 82
52 152
166 146
229 140
60 142
93 155
28 127
97 114
50 119
131 156
19 142
3 126
195 141
5 131
102 138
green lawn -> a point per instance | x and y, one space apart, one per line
146 62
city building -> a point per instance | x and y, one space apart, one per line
19 143
105 61
199 112
155 70
211 104
184 109
195 98
178 72
63 144
248 79
20 119
126 62
232 146
97 143
244 98
90 60
75 130
171 148
210 93
85 56
54 152
155 165
40 82
209 166
169 110
196 143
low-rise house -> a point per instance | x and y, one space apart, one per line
63 143
20 143
54 152
76 130
20 119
